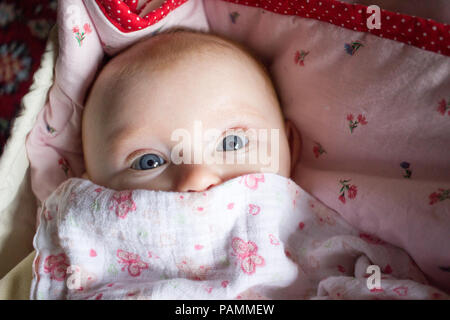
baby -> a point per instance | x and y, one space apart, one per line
176 81
254 236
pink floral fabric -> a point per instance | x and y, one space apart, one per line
258 236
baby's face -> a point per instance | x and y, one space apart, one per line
137 131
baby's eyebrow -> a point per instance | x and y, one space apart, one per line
119 137
229 109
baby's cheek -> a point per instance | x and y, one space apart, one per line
280 157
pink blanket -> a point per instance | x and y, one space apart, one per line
257 236
373 106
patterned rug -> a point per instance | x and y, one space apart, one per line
24 26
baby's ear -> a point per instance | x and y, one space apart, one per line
295 143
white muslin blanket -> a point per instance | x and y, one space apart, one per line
254 237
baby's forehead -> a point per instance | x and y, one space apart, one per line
165 51
169 52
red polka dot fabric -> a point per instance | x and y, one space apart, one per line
125 15
426 34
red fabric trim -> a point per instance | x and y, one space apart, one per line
426 34
124 15
423 33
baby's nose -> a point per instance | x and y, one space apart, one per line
196 178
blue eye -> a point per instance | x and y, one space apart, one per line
148 161
232 143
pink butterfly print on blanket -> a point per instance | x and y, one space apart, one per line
187 268
57 266
247 252
123 203
132 261
252 180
